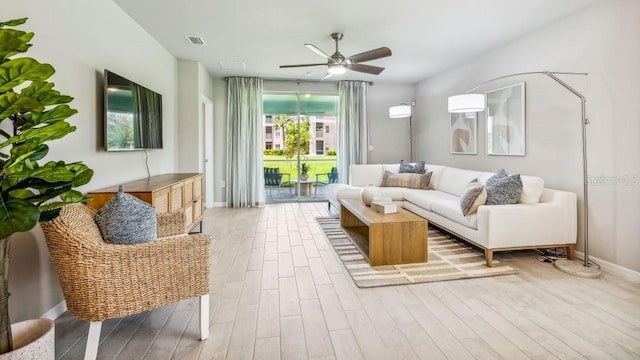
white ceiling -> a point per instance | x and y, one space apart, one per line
425 36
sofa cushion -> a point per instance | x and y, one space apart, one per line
474 195
407 167
393 168
451 210
453 180
365 174
437 171
127 220
532 187
425 199
503 189
407 180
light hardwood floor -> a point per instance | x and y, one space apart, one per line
278 291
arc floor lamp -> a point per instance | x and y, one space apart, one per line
473 102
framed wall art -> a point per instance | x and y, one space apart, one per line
464 133
505 120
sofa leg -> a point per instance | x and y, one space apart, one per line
93 340
570 252
204 317
488 257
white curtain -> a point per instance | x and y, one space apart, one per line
353 132
244 143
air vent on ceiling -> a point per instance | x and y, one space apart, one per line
195 40
233 65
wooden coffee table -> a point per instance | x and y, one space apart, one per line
398 238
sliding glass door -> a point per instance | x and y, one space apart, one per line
299 144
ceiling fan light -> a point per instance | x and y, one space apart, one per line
337 69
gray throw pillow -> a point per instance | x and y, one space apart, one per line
418 168
127 220
474 195
503 189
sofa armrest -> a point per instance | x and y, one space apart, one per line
520 225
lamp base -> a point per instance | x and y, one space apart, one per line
577 268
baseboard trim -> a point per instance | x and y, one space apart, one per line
56 311
612 268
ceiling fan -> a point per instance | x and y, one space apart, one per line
338 63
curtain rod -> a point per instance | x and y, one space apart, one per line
303 80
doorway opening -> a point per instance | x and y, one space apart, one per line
299 144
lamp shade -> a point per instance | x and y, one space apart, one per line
466 103
400 111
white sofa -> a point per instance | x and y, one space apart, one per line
542 218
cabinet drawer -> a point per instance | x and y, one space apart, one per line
177 199
161 201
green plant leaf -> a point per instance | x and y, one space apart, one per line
43 91
60 112
17 215
14 22
15 72
50 214
41 134
71 196
27 151
11 44
82 173
12 103
22 194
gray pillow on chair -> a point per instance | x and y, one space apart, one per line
127 220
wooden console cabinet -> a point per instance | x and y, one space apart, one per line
167 193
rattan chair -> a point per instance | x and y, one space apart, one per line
102 281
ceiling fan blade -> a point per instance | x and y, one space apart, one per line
369 69
301 65
327 75
371 55
316 50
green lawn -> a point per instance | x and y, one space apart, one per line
320 164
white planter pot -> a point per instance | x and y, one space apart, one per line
32 339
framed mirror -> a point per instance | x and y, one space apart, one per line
464 133
505 120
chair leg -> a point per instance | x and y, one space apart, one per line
204 317
93 340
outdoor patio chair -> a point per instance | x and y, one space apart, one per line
332 178
273 178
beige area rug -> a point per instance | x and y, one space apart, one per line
449 259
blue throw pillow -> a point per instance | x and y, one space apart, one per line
503 189
127 220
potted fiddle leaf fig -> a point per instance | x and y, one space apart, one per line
32 113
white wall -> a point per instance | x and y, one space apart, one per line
603 40
81 39
389 137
